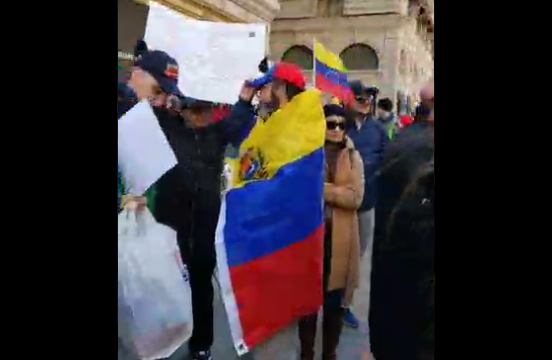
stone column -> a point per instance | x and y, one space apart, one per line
390 65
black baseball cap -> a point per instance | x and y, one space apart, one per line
163 68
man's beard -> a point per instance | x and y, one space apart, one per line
268 108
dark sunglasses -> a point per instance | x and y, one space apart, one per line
332 125
363 100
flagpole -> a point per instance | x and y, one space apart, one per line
314 62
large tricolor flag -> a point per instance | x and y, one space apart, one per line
270 233
331 75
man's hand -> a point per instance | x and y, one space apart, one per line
130 202
247 92
141 203
329 191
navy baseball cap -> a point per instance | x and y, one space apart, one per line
163 68
359 89
334 110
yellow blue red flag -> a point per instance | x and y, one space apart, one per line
331 75
270 233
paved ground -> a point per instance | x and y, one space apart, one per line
353 346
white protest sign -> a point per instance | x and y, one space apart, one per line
214 58
144 152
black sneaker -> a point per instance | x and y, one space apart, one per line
202 355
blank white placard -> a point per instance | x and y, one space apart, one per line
214 58
144 152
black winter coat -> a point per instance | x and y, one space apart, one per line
196 179
200 153
403 274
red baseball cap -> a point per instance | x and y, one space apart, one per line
406 120
287 72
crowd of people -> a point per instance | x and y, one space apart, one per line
378 204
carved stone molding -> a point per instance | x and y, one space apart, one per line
265 9
241 10
360 23
225 10
360 7
297 9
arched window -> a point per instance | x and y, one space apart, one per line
299 55
360 57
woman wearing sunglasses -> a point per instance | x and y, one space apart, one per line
343 192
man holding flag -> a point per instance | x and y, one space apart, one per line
270 233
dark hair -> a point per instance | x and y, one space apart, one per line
263 66
140 48
385 104
291 90
422 113
420 187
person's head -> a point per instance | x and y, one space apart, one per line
364 97
384 107
265 105
335 123
155 75
427 96
284 91
285 81
423 113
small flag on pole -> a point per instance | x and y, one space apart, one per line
331 75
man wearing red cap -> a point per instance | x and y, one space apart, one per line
278 87
284 80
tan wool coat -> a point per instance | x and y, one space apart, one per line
345 196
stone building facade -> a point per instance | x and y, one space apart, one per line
386 43
132 16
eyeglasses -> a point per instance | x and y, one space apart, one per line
362 100
333 125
